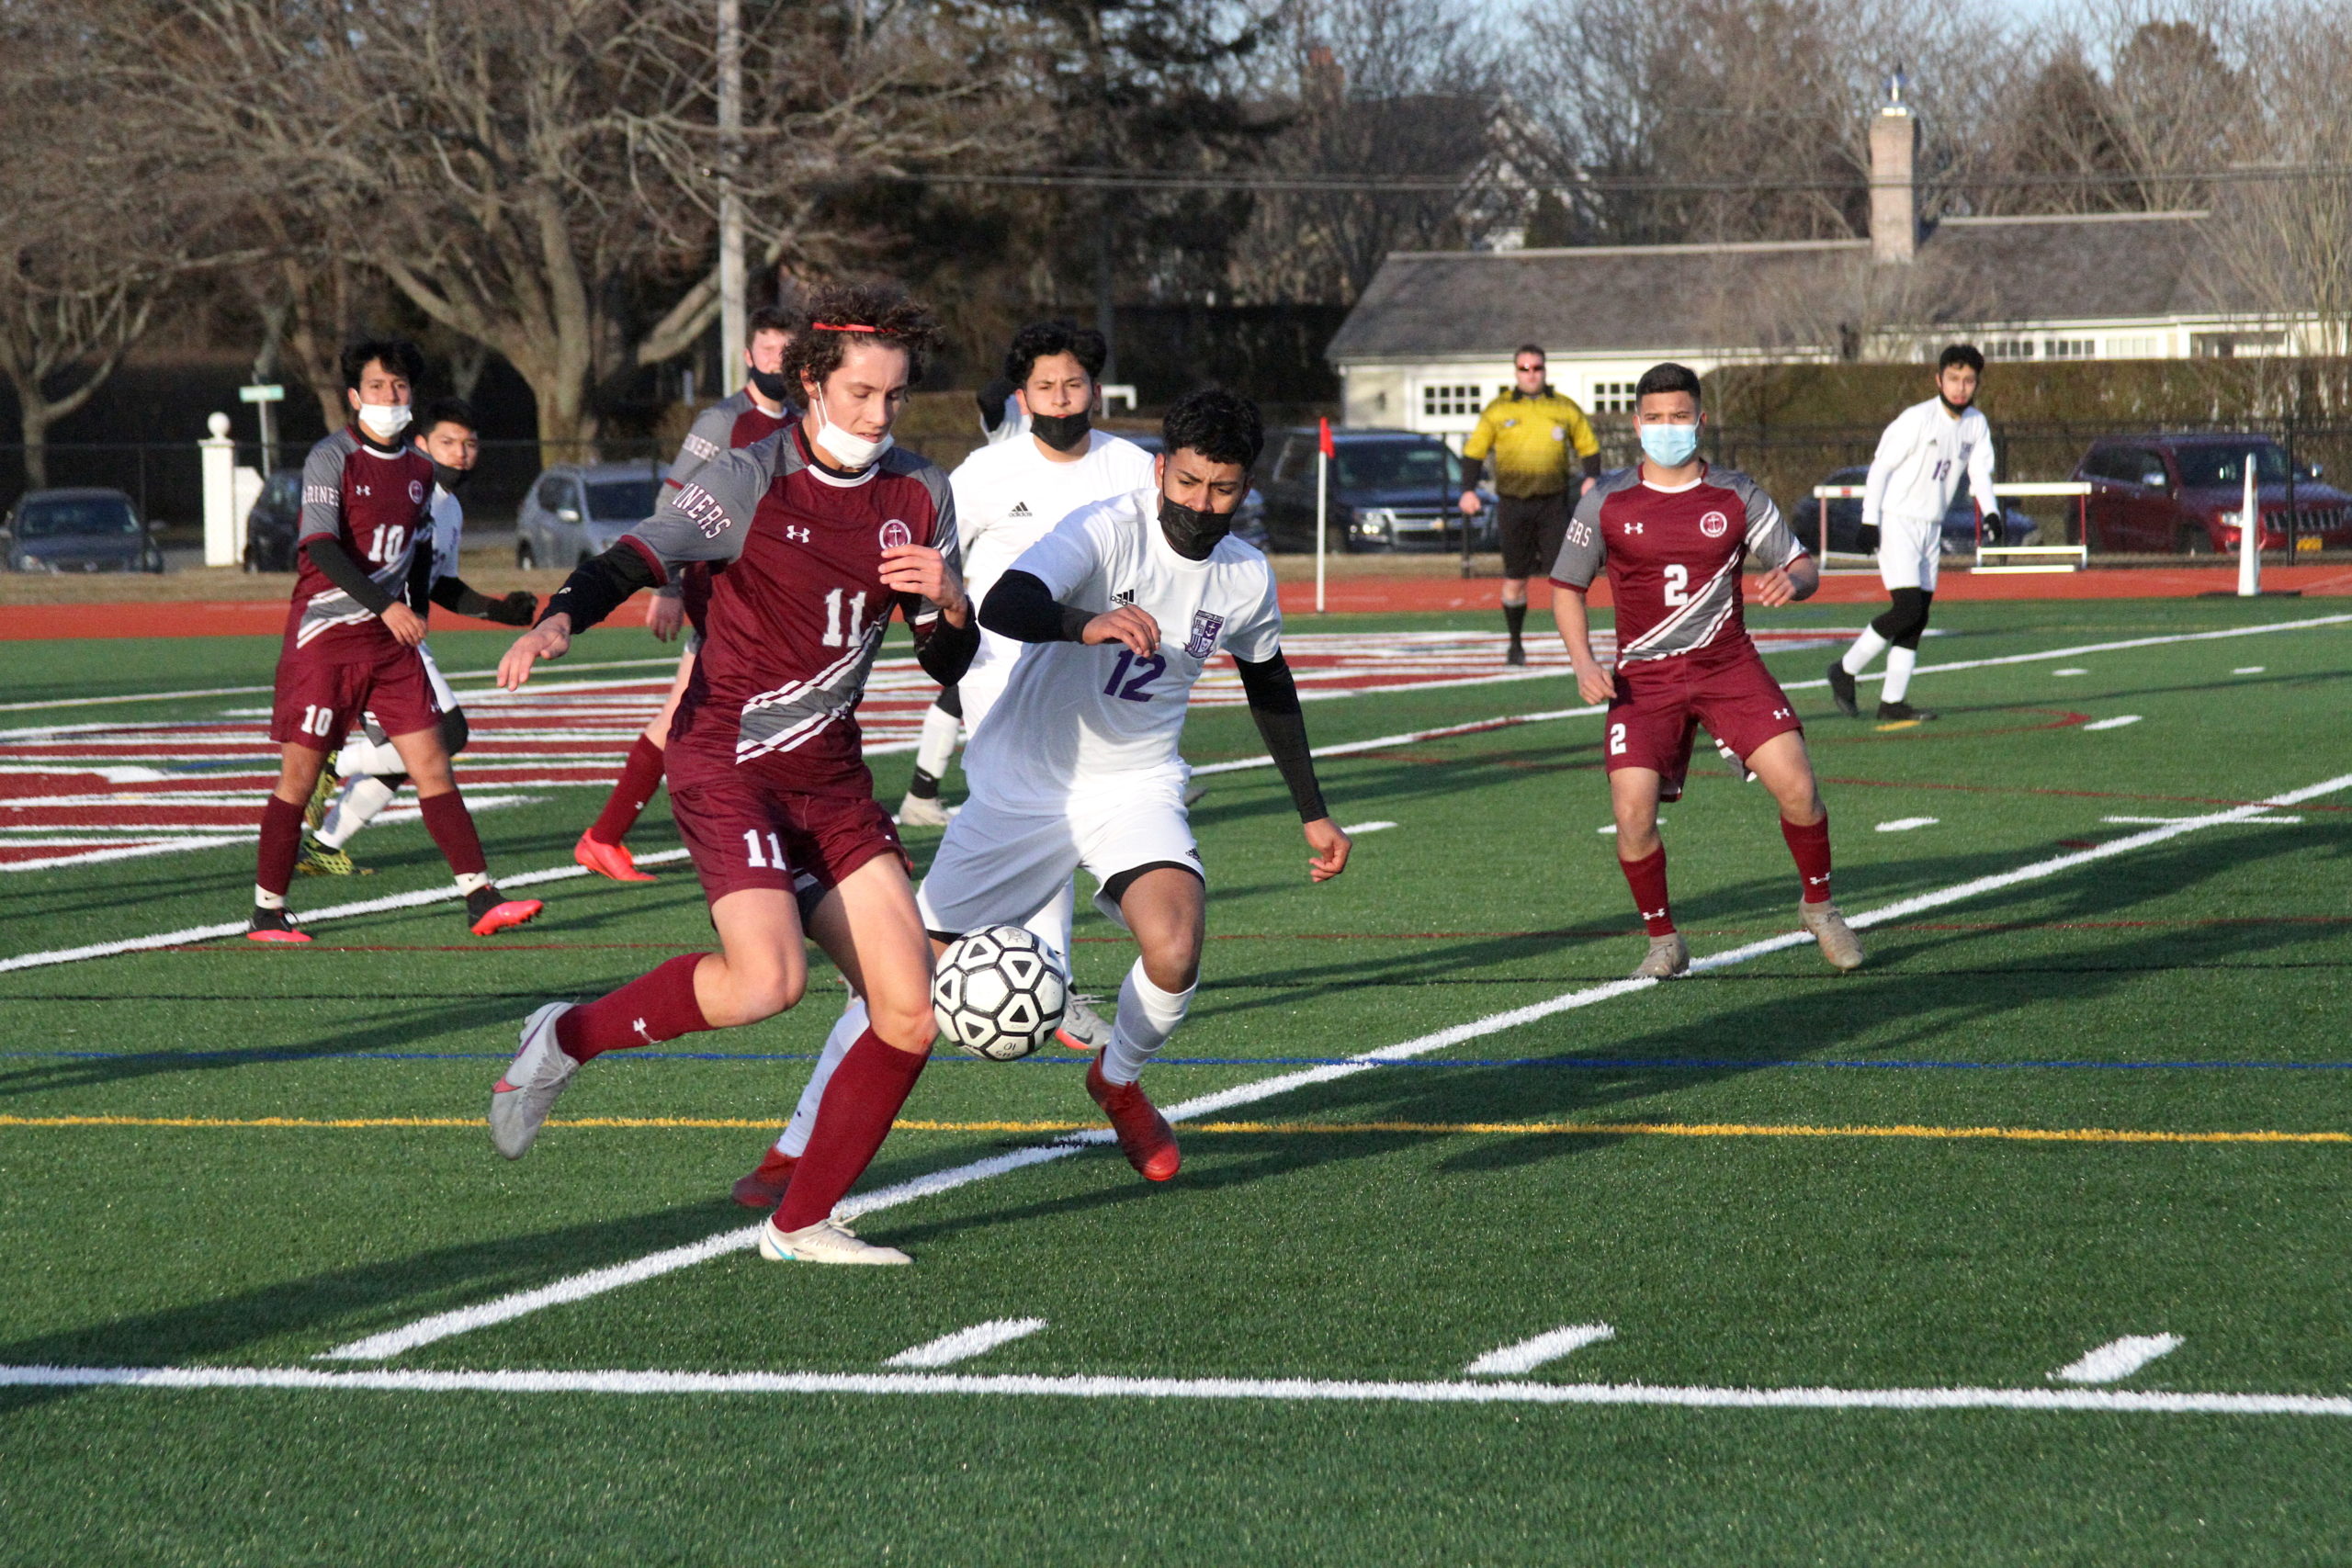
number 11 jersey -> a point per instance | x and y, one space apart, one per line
1080 721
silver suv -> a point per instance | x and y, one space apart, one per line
579 509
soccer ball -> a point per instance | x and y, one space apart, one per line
997 992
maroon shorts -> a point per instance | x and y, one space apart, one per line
693 593
317 702
1661 703
744 833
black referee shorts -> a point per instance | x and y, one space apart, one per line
1532 528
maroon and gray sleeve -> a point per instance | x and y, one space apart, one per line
1581 554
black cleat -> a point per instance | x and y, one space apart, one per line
1901 713
1515 655
1841 690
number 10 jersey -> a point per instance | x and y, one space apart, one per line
1079 721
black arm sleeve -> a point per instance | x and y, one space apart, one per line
1592 467
1022 607
944 650
598 587
513 609
1273 703
347 573
1473 469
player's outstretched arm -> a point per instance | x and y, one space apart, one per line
1273 704
594 590
551 639
515 609
1022 607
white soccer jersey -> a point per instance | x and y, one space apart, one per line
1008 497
1092 721
1921 459
448 533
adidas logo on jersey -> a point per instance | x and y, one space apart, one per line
1124 596
1020 509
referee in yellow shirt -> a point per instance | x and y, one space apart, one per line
1538 437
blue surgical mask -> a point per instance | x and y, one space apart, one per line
1670 445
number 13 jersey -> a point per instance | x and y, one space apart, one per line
1077 720
1673 557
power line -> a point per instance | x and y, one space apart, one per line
1453 185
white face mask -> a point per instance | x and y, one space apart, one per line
853 452
384 421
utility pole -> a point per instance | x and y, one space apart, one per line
732 284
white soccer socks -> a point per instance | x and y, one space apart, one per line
1051 924
846 1029
363 796
1867 647
1900 662
1148 1016
937 748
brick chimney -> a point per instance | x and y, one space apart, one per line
1895 206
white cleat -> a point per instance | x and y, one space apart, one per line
1081 1027
1669 955
916 811
520 1100
1838 943
827 1241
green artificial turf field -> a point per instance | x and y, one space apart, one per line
1826 1269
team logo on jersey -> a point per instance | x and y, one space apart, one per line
1714 524
1203 642
1634 527
415 491
897 535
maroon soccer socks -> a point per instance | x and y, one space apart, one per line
1810 849
1646 878
650 1008
872 1082
281 841
641 776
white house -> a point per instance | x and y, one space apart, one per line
1430 341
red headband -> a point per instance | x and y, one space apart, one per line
849 327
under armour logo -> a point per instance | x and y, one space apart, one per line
1782 713
361 489
1654 914
797 535
646 1034
1020 509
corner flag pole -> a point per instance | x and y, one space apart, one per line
1323 454
2250 537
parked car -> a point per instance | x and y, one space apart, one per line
272 524
1248 519
2003 524
78 530
578 510
1389 490
2181 494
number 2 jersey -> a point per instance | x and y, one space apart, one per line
1093 720
795 619
375 504
1673 557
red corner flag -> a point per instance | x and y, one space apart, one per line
1323 430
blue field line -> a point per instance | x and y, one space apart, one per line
1072 1059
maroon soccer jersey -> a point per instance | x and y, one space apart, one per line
1673 557
732 422
378 504
798 614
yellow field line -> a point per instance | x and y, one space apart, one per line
1505 1129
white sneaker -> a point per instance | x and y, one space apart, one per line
1838 943
919 812
520 1100
1081 1027
827 1241
1669 955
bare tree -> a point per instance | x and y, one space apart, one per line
542 176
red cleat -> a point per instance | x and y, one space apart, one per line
1145 1136
501 914
273 925
763 1189
608 860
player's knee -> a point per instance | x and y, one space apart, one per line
1174 967
905 1026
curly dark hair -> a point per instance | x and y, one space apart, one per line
1222 426
893 320
397 354
1043 340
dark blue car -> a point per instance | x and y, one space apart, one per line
78 530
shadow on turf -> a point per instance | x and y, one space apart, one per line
365 1298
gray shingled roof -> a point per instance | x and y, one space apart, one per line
1637 298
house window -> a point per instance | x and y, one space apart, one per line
1450 401
1612 396
2069 348
2010 348
2134 348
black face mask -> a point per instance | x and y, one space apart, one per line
449 478
772 386
1192 532
1062 432
1953 408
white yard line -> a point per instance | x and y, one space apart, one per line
2103 1401
967 1343
2116 722
502 1309
2118 1358
1905 824
126 852
1544 1349
1362 828
306 919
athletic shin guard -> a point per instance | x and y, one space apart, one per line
1148 1016
1646 878
846 1029
641 776
282 842
652 1008
1809 847
861 1102
361 799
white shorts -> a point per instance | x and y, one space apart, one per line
1909 553
998 866
980 685
370 751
